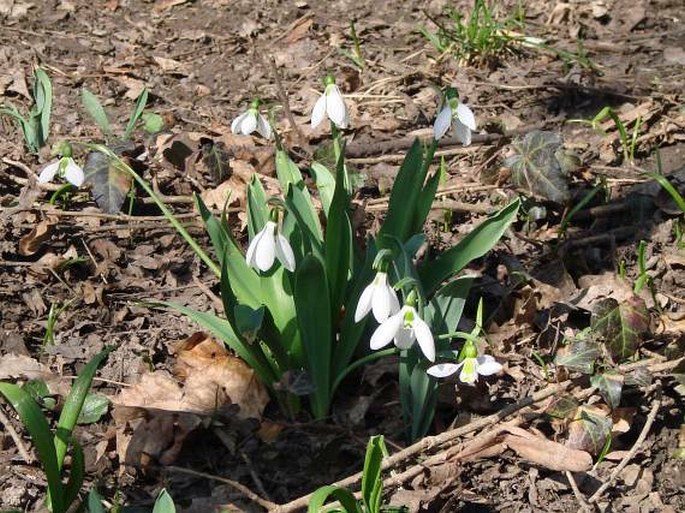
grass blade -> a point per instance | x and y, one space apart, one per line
96 111
141 102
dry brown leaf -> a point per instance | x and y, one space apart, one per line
164 5
16 366
549 454
30 244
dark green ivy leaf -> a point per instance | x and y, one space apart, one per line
216 158
110 184
589 429
94 407
620 326
610 385
540 165
579 355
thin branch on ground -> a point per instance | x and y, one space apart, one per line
584 506
18 442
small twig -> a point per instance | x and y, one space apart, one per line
234 484
584 506
255 477
21 447
640 439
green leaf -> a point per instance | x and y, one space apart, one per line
476 244
248 321
620 325
94 407
580 355
539 165
257 209
152 123
78 472
424 398
95 502
610 385
287 171
41 437
343 496
29 132
96 111
325 184
449 302
164 503
314 319
110 184
216 158
372 484
589 429
141 102
42 95
300 206
218 232
562 407
74 404
427 196
670 189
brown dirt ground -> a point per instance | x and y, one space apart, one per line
203 61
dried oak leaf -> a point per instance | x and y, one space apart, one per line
549 454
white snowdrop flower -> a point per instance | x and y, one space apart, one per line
456 114
267 246
330 104
64 167
404 328
471 367
250 121
378 297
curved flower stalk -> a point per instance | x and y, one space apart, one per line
404 328
267 246
330 104
471 366
454 114
252 120
65 167
378 297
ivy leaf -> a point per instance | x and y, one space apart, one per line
110 184
216 157
540 165
94 407
562 407
579 355
620 326
589 429
610 386
639 377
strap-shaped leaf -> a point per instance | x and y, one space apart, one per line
314 318
325 184
343 496
218 234
137 112
78 472
96 111
300 207
448 304
257 211
426 197
474 245
372 484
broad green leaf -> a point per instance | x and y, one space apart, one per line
257 210
29 132
94 407
325 184
96 111
248 321
164 503
620 325
424 398
343 496
427 196
449 303
216 158
314 319
42 439
152 122
77 474
372 484
540 165
300 207
110 184
287 171
589 429
42 95
95 502
74 404
562 407
218 233
476 244
579 355
610 385
640 377
141 102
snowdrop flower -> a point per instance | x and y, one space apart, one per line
471 366
268 245
404 328
64 167
456 114
250 121
330 104
378 297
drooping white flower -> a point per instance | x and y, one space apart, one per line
65 167
404 328
250 121
456 114
378 297
330 104
267 246
471 367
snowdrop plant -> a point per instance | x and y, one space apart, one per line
269 245
64 167
332 105
378 296
455 114
252 120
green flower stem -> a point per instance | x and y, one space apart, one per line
428 158
55 195
165 210
459 334
335 133
363 361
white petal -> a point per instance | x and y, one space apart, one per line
382 300
73 173
265 252
364 304
285 253
263 127
442 122
252 249
236 126
319 111
463 132
335 107
249 124
465 115
49 172
487 365
394 302
405 338
425 338
443 370
385 333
